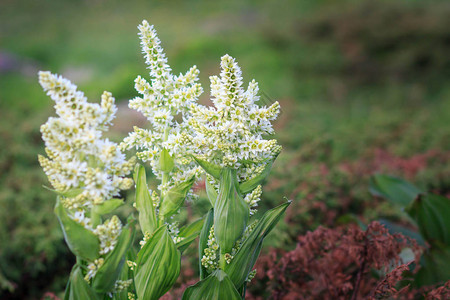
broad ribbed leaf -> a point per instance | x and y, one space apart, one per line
432 214
249 185
245 258
210 168
158 266
109 272
433 270
216 286
396 190
211 192
231 213
78 288
81 241
175 197
203 242
108 206
144 203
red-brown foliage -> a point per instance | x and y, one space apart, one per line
336 264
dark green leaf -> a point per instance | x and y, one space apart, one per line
108 273
433 270
144 203
158 266
245 258
431 213
81 241
216 286
203 241
396 190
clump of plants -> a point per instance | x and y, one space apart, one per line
185 141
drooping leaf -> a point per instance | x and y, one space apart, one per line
189 233
144 203
231 213
109 272
216 286
78 288
203 241
158 266
108 206
397 190
244 260
192 228
211 192
81 241
252 183
210 168
175 197
431 213
186 242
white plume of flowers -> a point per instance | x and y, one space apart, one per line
163 100
231 132
83 168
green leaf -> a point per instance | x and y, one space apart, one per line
395 228
244 260
144 203
194 227
431 213
216 286
189 233
231 213
81 241
210 168
433 270
158 266
252 183
184 244
396 190
166 161
174 198
78 288
203 242
108 273
108 206
211 192
68 194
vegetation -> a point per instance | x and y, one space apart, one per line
362 89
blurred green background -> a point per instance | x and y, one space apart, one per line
363 86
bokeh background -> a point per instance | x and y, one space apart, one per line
363 85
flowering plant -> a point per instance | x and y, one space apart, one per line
186 140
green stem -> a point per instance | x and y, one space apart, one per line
222 261
165 180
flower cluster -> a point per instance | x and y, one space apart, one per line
78 159
164 98
210 258
84 169
231 133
